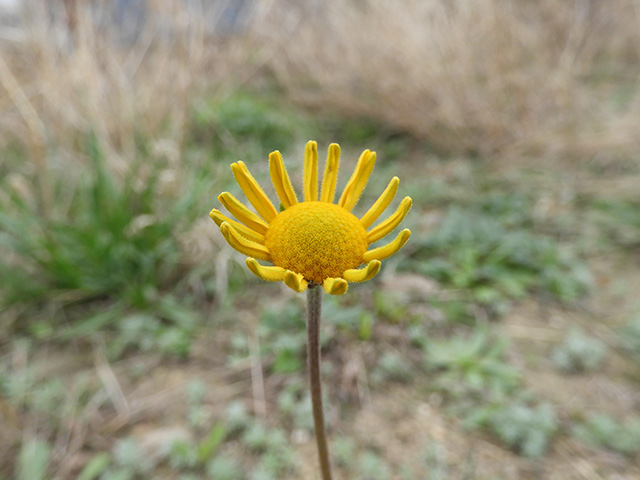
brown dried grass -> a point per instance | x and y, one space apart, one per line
499 78
62 77
495 77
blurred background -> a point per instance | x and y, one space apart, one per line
502 342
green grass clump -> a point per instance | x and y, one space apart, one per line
114 250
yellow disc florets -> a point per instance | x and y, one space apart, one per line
313 241
320 240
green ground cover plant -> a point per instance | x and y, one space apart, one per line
579 352
496 265
112 258
601 430
524 428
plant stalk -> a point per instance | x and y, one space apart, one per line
314 309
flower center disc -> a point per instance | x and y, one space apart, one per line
317 239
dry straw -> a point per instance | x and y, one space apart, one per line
491 77
66 73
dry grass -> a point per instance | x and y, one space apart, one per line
549 77
61 78
497 78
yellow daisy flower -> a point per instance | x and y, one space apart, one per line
315 241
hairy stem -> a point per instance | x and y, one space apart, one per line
314 308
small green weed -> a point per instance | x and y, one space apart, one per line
283 334
526 429
578 352
126 462
196 393
392 367
353 321
95 467
295 403
372 467
273 447
224 468
472 365
344 451
620 220
476 253
601 430
390 305
237 418
630 337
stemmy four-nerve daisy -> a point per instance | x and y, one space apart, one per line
314 241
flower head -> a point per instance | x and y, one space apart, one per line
315 241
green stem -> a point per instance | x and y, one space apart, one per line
314 308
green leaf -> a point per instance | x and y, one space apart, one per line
287 361
207 448
33 460
96 466
366 327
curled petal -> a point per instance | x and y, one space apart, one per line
389 249
330 177
335 286
242 213
242 244
381 204
281 180
357 275
358 180
387 226
218 217
270 274
253 191
311 172
295 281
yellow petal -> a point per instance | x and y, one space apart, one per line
270 274
387 226
243 245
335 286
389 249
242 213
281 180
295 281
253 191
311 172
381 204
358 180
357 275
219 218
330 176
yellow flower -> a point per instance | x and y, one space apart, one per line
314 241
